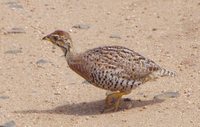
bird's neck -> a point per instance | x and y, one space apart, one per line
68 50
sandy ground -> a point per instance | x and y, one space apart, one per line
37 88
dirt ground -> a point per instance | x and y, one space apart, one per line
37 88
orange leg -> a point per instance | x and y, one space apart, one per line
112 101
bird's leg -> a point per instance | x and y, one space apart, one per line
113 100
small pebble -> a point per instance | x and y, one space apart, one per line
108 13
14 5
81 26
112 115
9 124
13 51
16 30
66 87
124 121
85 82
154 29
140 110
140 93
166 95
145 107
93 116
115 36
128 18
188 62
4 97
42 61
87 117
57 93
70 30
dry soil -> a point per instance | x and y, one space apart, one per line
37 88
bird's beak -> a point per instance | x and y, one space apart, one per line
46 38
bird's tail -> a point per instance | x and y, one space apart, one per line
164 72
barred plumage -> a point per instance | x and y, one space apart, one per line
113 68
164 72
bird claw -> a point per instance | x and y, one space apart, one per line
112 102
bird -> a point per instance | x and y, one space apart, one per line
113 68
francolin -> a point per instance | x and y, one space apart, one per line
113 68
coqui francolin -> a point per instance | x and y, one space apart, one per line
114 68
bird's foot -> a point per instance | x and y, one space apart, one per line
112 101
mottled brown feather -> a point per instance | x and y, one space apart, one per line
114 68
118 61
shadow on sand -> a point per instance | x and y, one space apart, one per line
90 108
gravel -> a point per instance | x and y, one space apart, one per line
16 30
81 26
4 97
9 124
166 95
42 61
14 5
115 36
13 51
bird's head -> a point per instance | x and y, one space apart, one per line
60 38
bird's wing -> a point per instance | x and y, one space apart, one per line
130 63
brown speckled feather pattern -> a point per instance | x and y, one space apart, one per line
114 68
